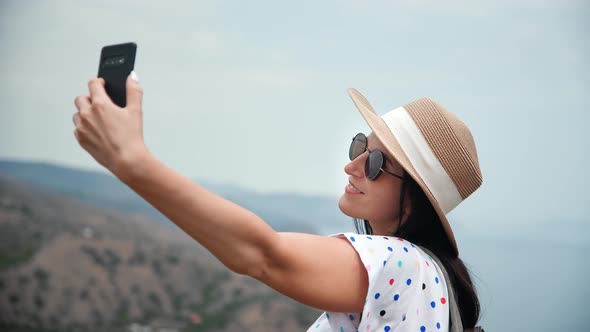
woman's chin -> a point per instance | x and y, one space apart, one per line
347 209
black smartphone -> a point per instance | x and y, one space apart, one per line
116 63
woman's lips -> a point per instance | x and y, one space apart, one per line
350 189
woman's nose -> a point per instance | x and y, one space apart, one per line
356 166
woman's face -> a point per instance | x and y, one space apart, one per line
376 201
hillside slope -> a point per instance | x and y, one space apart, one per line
67 266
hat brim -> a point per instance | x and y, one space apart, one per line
384 134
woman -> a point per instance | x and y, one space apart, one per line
417 164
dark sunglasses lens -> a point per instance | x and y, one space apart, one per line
357 147
373 164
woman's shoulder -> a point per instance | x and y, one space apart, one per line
390 254
404 282
382 244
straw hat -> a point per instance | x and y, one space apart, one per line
434 146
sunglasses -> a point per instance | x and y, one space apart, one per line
375 161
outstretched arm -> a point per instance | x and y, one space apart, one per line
322 272
319 271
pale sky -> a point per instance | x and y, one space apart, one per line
253 93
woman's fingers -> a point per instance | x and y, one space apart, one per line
76 119
82 103
97 91
134 92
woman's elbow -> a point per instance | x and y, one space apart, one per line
257 264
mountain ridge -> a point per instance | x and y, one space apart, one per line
106 191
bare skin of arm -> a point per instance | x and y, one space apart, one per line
322 272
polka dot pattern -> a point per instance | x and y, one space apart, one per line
404 293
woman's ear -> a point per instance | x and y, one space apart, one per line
407 208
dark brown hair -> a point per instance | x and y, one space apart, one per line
423 228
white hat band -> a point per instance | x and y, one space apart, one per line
422 158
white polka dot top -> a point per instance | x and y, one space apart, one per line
407 290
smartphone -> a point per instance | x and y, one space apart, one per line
116 63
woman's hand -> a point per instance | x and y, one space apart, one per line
113 136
